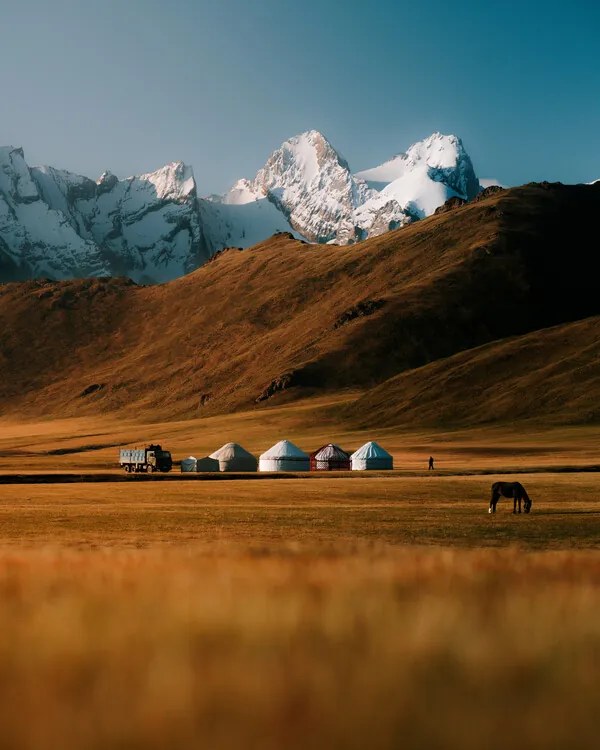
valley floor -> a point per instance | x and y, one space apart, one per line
91 444
387 612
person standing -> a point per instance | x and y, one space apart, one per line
431 467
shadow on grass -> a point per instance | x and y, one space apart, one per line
569 513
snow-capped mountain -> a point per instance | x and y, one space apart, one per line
424 177
59 224
312 186
154 227
308 184
35 239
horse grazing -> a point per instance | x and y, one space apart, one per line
510 489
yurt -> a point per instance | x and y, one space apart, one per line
371 456
284 456
330 457
207 464
232 457
188 464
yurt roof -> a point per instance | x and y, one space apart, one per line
230 450
189 458
331 452
371 450
284 449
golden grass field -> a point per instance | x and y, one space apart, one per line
90 444
363 612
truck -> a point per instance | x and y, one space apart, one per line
149 459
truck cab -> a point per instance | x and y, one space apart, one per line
158 459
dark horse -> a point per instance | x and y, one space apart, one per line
510 489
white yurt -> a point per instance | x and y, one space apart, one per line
371 456
232 457
284 456
207 464
188 464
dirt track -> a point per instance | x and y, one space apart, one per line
82 478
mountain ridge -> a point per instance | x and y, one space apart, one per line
155 227
287 319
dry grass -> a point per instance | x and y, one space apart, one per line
174 649
550 375
329 614
91 444
339 613
214 340
318 515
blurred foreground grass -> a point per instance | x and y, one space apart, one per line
385 648
279 615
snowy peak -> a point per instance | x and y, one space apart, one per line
15 178
423 178
438 151
243 192
58 224
35 238
308 157
441 158
154 227
311 184
174 181
106 182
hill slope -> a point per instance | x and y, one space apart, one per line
551 375
285 316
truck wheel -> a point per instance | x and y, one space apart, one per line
127 468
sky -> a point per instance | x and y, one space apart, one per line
129 85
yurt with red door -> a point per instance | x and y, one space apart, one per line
330 457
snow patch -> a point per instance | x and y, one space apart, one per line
486 182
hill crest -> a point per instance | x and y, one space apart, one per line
287 319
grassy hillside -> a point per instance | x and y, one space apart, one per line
286 319
551 375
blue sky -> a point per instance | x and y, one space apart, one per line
129 85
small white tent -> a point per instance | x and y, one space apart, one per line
371 456
188 464
232 457
207 464
284 456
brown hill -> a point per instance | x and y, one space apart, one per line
295 317
552 375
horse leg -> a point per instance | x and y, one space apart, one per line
493 501
515 502
519 500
